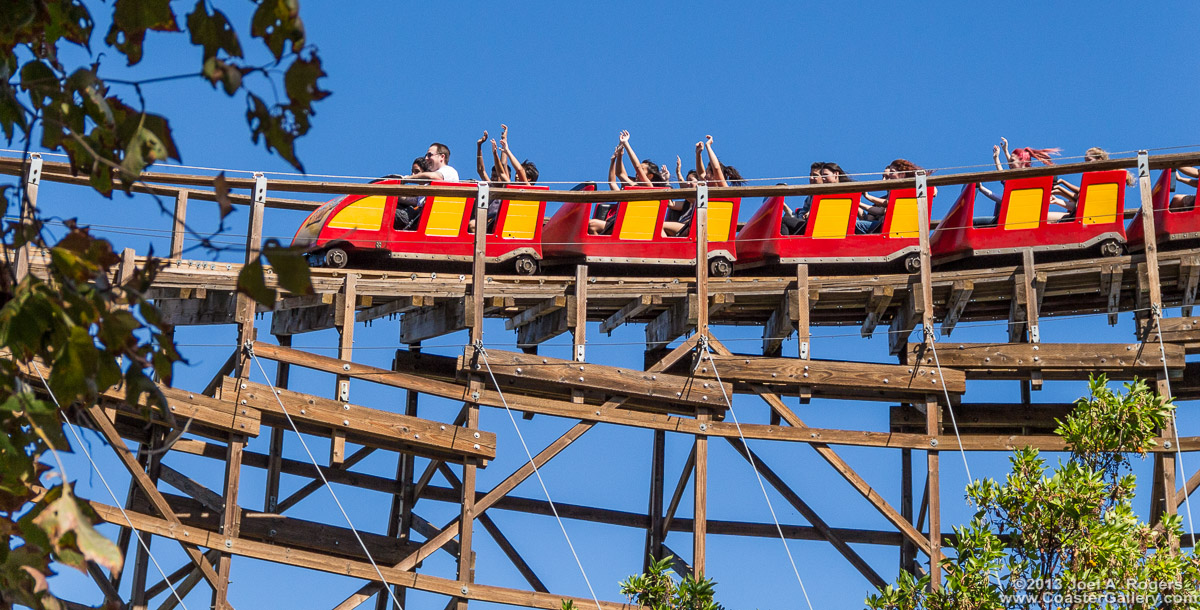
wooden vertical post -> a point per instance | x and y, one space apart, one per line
932 408
803 329
33 178
466 522
400 515
579 330
246 305
137 598
1151 248
654 535
177 232
230 519
700 475
275 453
907 550
344 321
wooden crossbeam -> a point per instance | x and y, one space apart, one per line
441 319
1053 360
540 309
976 418
864 380
678 319
720 301
364 425
781 324
905 319
208 416
403 304
658 387
215 307
1182 331
633 309
960 295
547 327
303 320
881 297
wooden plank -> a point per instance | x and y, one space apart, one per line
933 484
905 320
881 297
1016 311
179 225
1184 332
303 320
960 295
678 319
987 417
402 304
866 380
598 378
1110 285
364 425
1054 360
231 519
203 411
1150 247
430 322
346 567
304 301
547 327
538 310
204 496
633 309
719 302
1189 280
216 307
781 324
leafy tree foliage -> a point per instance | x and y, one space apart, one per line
1069 538
657 589
78 331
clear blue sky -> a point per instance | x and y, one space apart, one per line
779 85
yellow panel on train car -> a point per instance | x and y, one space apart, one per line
366 213
1101 204
1024 209
720 214
833 218
640 218
904 218
445 215
521 220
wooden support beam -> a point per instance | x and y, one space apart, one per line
933 423
441 319
987 418
864 380
216 307
633 309
312 486
364 425
679 318
207 498
180 225
275 450
231 519
303 320
549 326
655 533
1110 286
1182 331
905 319
881 297
1150 247
1189 280
1053 360
1017 313
658 387
781 324
960 295
398 305
31 170
908 552
538 310
719 302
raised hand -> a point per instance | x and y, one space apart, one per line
624 137
504 135
996 152
699 146
708 141
483 139
493 144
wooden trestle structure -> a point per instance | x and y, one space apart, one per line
676 393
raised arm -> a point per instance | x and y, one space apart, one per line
1188 175
518 169
1004 149
479 157
996 158
502 172
678 171
621 173
701 175
716 163
642 178
612 169
988 193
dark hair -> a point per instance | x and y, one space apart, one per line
531 171
655 174
442 149
495 175
816 167
837 169
691 173
732 175
420 163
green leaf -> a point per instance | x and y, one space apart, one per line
291 268
277 22
300 81
70 530
252 283
221 190
132 19
212 32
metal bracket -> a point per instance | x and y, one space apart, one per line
922 184
344 390
248 348
260 189
1143 167
482 196
930 335
701 196
1156 311
1034 335
34 176
804 350
579 353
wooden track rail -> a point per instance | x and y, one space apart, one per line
675 393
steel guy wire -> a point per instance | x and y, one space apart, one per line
1174 427
324 480
750 456
536 471
117 503
949 405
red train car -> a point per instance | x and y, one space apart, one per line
1169 225
363 226
829 235
636 235
1020 221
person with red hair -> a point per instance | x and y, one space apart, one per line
1019 158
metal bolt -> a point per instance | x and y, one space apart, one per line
885 380
345 422
704 397
441 427
228 544
345 407
474 395
703 427
463 590
417 436
303 411
345 367
806 374
271 532
518 370
581 378
243 401
476 435
933 442
243 386
1167 445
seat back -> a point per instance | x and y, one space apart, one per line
901 218
521 218
445 214
366 213
1101 197
1024 204
831 215
720 215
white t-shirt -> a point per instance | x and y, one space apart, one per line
449 174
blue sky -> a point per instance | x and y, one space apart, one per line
779 85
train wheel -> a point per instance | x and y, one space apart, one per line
720 267
526 265
912 263
336 258
1111 248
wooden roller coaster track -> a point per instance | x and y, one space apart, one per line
676 392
